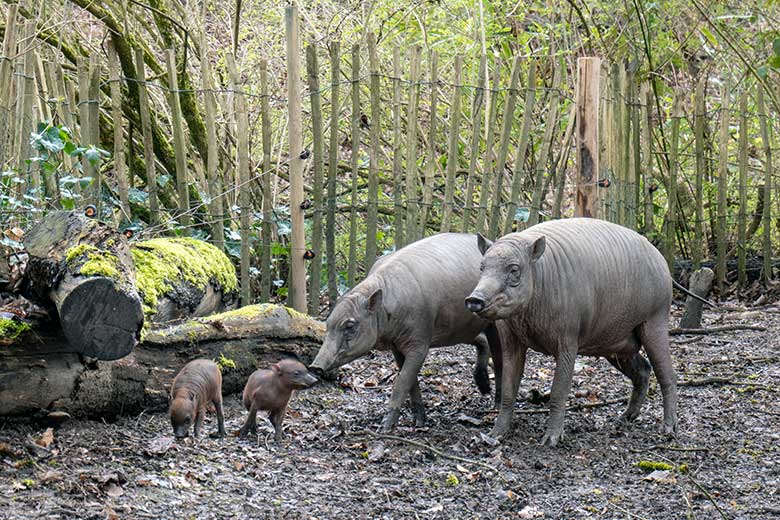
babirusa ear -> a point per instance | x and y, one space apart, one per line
538 248
483 243
276 368
374 301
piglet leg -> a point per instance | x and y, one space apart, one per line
277 417
220 419
250 425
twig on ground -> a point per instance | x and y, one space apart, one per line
765 411
677 331
707 494
429 448
575 407
719 381
678 448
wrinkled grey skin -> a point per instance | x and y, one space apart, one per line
578 286
197 384
410 301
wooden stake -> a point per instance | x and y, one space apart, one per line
265 122
333 171
398 188
146 129
412 203
352 262
298 267
522 147
432 162
488 166
587 99
454 140
476 114
212 150
766 138
671 195
543 160
120 166
697 248
315 264
723 171
179 146
375 125
743 170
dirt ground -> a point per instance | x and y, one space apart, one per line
725 459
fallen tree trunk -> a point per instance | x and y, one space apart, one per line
38 377
85 269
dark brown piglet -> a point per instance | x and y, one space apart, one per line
197 384
270 390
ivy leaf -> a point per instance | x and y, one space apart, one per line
774 61
776 46
137 196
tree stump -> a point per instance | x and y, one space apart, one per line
85 269
700 284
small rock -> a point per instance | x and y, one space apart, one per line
487 439
159 445
463 418
377 452
530 512
661 476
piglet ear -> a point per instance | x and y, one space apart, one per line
483 243
375 301
537 249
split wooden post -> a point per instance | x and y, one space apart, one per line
355 163
120 166
265 248
476 113
375 145
212 152
522 147
398 188
587 100
315 264
412 203
503 147
298 246
146 129
766 138
243 162
723 171
452 153
333 172
743 170
179 146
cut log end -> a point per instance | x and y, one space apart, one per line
100 320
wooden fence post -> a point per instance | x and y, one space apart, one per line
212 153
243 162
94 125
375 145
6 78
452 153
671 194
265 248
355 163
476 113
646 96
398 187
146 129
431 163
503 147
488 167
698 137
120 166
297 265
412 202
587 100
766 137
723 171
333 172
522 147
315 264
743 170
179 146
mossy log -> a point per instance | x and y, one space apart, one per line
183 277
37 377
84 268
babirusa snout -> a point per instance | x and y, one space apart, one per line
475 302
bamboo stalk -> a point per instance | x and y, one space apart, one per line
452 154
398 215
476 114
315 264
522 147
412 204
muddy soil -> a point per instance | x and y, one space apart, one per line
723 463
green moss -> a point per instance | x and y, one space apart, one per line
249 311
99 261
12 329
649 465
161 262
225 363
452 480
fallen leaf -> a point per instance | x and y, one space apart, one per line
530 512
18 486
46 439
435 509
50 476
662 476
159 445
238 465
